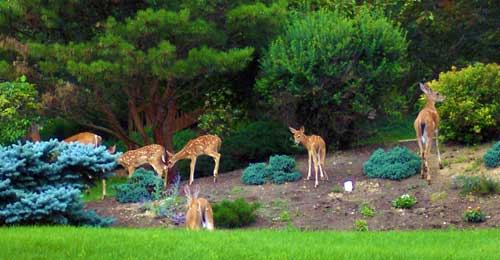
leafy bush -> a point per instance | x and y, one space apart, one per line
233 214
328 61
366 210
255 174
470 112
41 183
281 169
396 164
361 225
478 185
474 215
144 185
405 201
492 156
171 205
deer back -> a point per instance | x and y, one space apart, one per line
203 144
143 155
85 138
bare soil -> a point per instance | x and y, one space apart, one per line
329 207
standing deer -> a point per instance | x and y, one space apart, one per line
316 148
202 145
199 212
94 140
426 125
153 154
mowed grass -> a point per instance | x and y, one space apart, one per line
95 192
390 132
122 243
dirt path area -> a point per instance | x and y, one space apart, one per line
301 205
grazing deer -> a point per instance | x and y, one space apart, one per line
202 145
94 140
153 154
316 149
426 125
199 212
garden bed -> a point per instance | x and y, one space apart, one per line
298 204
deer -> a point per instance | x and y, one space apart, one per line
202 145
89 138
316 149
153 154
199 213
426 126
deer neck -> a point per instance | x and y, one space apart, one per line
431 105
306 142
180 155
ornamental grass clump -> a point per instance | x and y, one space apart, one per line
396 164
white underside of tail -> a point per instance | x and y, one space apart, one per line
208 225
424 134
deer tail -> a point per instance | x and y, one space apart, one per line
423 131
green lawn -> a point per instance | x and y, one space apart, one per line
121 243
96 191
390 131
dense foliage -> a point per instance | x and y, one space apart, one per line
281 169
144 185
396 164
18 107
492 156
471 110
234 214
41 183
322 63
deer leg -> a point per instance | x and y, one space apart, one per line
193 165
315 161
309 171
428 146
216 167
103 189
131 171
437 148
322 176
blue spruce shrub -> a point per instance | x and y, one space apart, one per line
280 177
396 164
282 163
41 183
144 185
492 156
281 169
255 174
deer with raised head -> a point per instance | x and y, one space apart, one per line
94 140
153 154
426 126
316 149
199 212
202 145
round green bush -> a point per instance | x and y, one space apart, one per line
470 112
280 177
255 174
492 156
281 163
233 214
330 61
396 164
144 185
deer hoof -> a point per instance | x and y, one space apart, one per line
316 185
215 179
441 166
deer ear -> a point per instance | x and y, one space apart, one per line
302 129
187 191
196 191
424 88
112 149
292 130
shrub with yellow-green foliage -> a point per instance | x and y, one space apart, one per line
471 110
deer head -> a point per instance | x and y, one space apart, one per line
298 135
433 96
171 160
